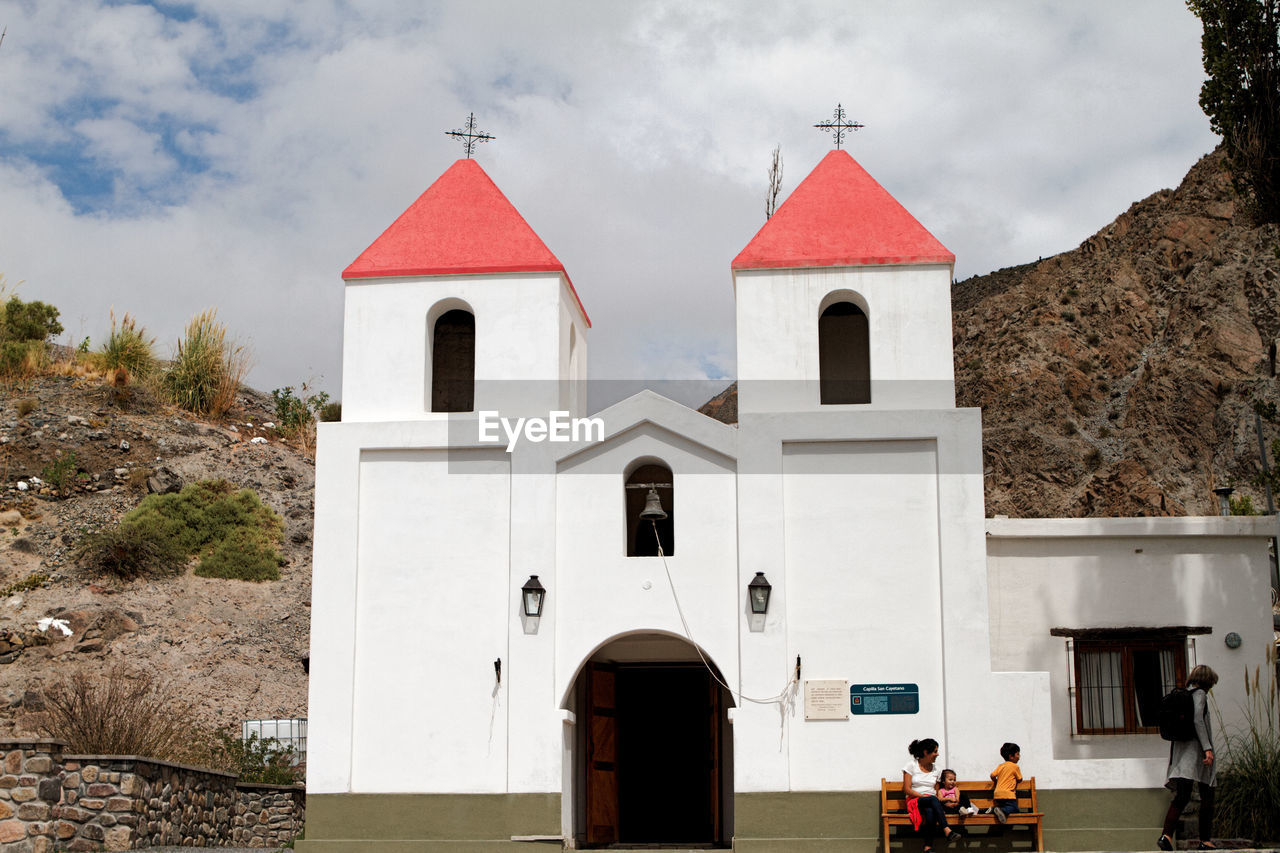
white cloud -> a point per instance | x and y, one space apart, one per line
633 137
124 146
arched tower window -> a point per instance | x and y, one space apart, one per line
453 362
641 541
844 354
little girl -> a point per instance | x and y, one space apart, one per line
952 798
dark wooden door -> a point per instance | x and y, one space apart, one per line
715 712
602 754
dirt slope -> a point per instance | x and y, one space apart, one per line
235 648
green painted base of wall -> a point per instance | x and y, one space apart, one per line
796 822
422 846
840 822
807 822
1109 819
426 823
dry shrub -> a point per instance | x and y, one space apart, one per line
121 712
129 551
297 414
127 395
138 478
252 759
69 367
22 360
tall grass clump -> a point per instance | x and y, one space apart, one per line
1248 790
207 368
128 347
119 712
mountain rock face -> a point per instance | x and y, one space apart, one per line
1118 379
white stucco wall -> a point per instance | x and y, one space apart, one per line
1119 573
849 566
523 326
909 317
869 525
423 668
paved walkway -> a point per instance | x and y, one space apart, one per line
543 847
219 849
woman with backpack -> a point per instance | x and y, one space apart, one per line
1191 760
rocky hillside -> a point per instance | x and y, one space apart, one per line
1118 378
234 648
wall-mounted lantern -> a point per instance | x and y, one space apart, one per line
758 594
532 594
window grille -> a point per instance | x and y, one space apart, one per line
1115 679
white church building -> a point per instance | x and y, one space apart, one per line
502 659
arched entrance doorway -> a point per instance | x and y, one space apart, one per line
653 753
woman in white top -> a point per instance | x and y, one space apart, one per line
920 781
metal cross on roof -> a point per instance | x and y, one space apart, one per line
838 125
469 136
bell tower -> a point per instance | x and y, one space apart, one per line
843 302
459 306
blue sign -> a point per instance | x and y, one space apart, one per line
884 698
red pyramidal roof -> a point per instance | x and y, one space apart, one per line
839 216
461 225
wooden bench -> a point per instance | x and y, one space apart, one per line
893 808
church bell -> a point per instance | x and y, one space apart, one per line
653 510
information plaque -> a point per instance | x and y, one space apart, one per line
884 698
824 700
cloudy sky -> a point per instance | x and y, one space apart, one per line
162 158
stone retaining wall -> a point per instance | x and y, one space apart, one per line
53 802
267 815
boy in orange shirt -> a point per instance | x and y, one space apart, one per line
1006 778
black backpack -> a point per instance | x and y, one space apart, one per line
1177 715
